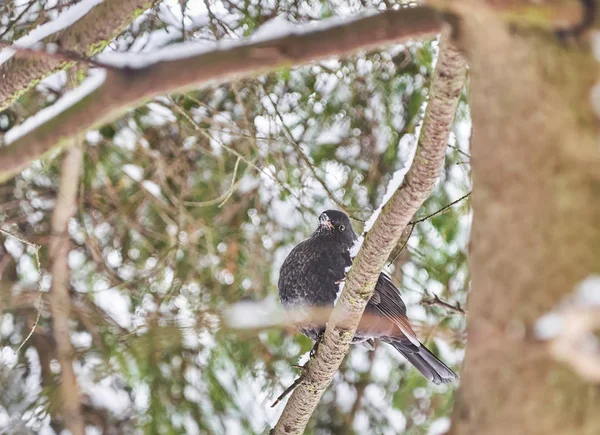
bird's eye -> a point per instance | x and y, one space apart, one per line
341 227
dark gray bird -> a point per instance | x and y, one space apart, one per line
311 275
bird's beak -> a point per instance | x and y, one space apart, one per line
325 222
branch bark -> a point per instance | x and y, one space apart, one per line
60 302
446 86
128 87
85 37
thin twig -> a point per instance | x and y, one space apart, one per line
233 183
36 247
458 150
437 301
413 223
441 210
412 228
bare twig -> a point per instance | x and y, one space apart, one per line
437 301
423 219
440 211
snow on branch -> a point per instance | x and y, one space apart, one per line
445 91
67 18
83 29
197 66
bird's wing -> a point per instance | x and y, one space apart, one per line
386 300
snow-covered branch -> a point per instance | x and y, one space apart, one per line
189 66
83 29
420 180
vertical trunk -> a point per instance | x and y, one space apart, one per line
60 301
536 230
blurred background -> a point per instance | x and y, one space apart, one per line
189 204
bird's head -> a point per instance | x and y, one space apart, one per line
335 224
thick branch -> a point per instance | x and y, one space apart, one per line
60 303
445 92
86 37
129 87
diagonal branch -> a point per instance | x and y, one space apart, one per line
197 67
60 302
446 86
85 37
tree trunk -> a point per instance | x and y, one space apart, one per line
536 228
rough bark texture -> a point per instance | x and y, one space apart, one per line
126 88
86 37
536 230
60 302
445 92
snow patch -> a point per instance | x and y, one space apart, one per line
277 27
70 15
89 85
134 171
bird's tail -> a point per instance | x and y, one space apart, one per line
426 362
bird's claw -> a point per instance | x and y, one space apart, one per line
315 347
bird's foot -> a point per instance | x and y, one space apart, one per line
315 347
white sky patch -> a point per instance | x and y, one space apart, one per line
69 16
89 85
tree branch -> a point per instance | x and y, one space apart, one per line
60 303
128 87
420 180
85 37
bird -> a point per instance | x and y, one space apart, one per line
311 275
